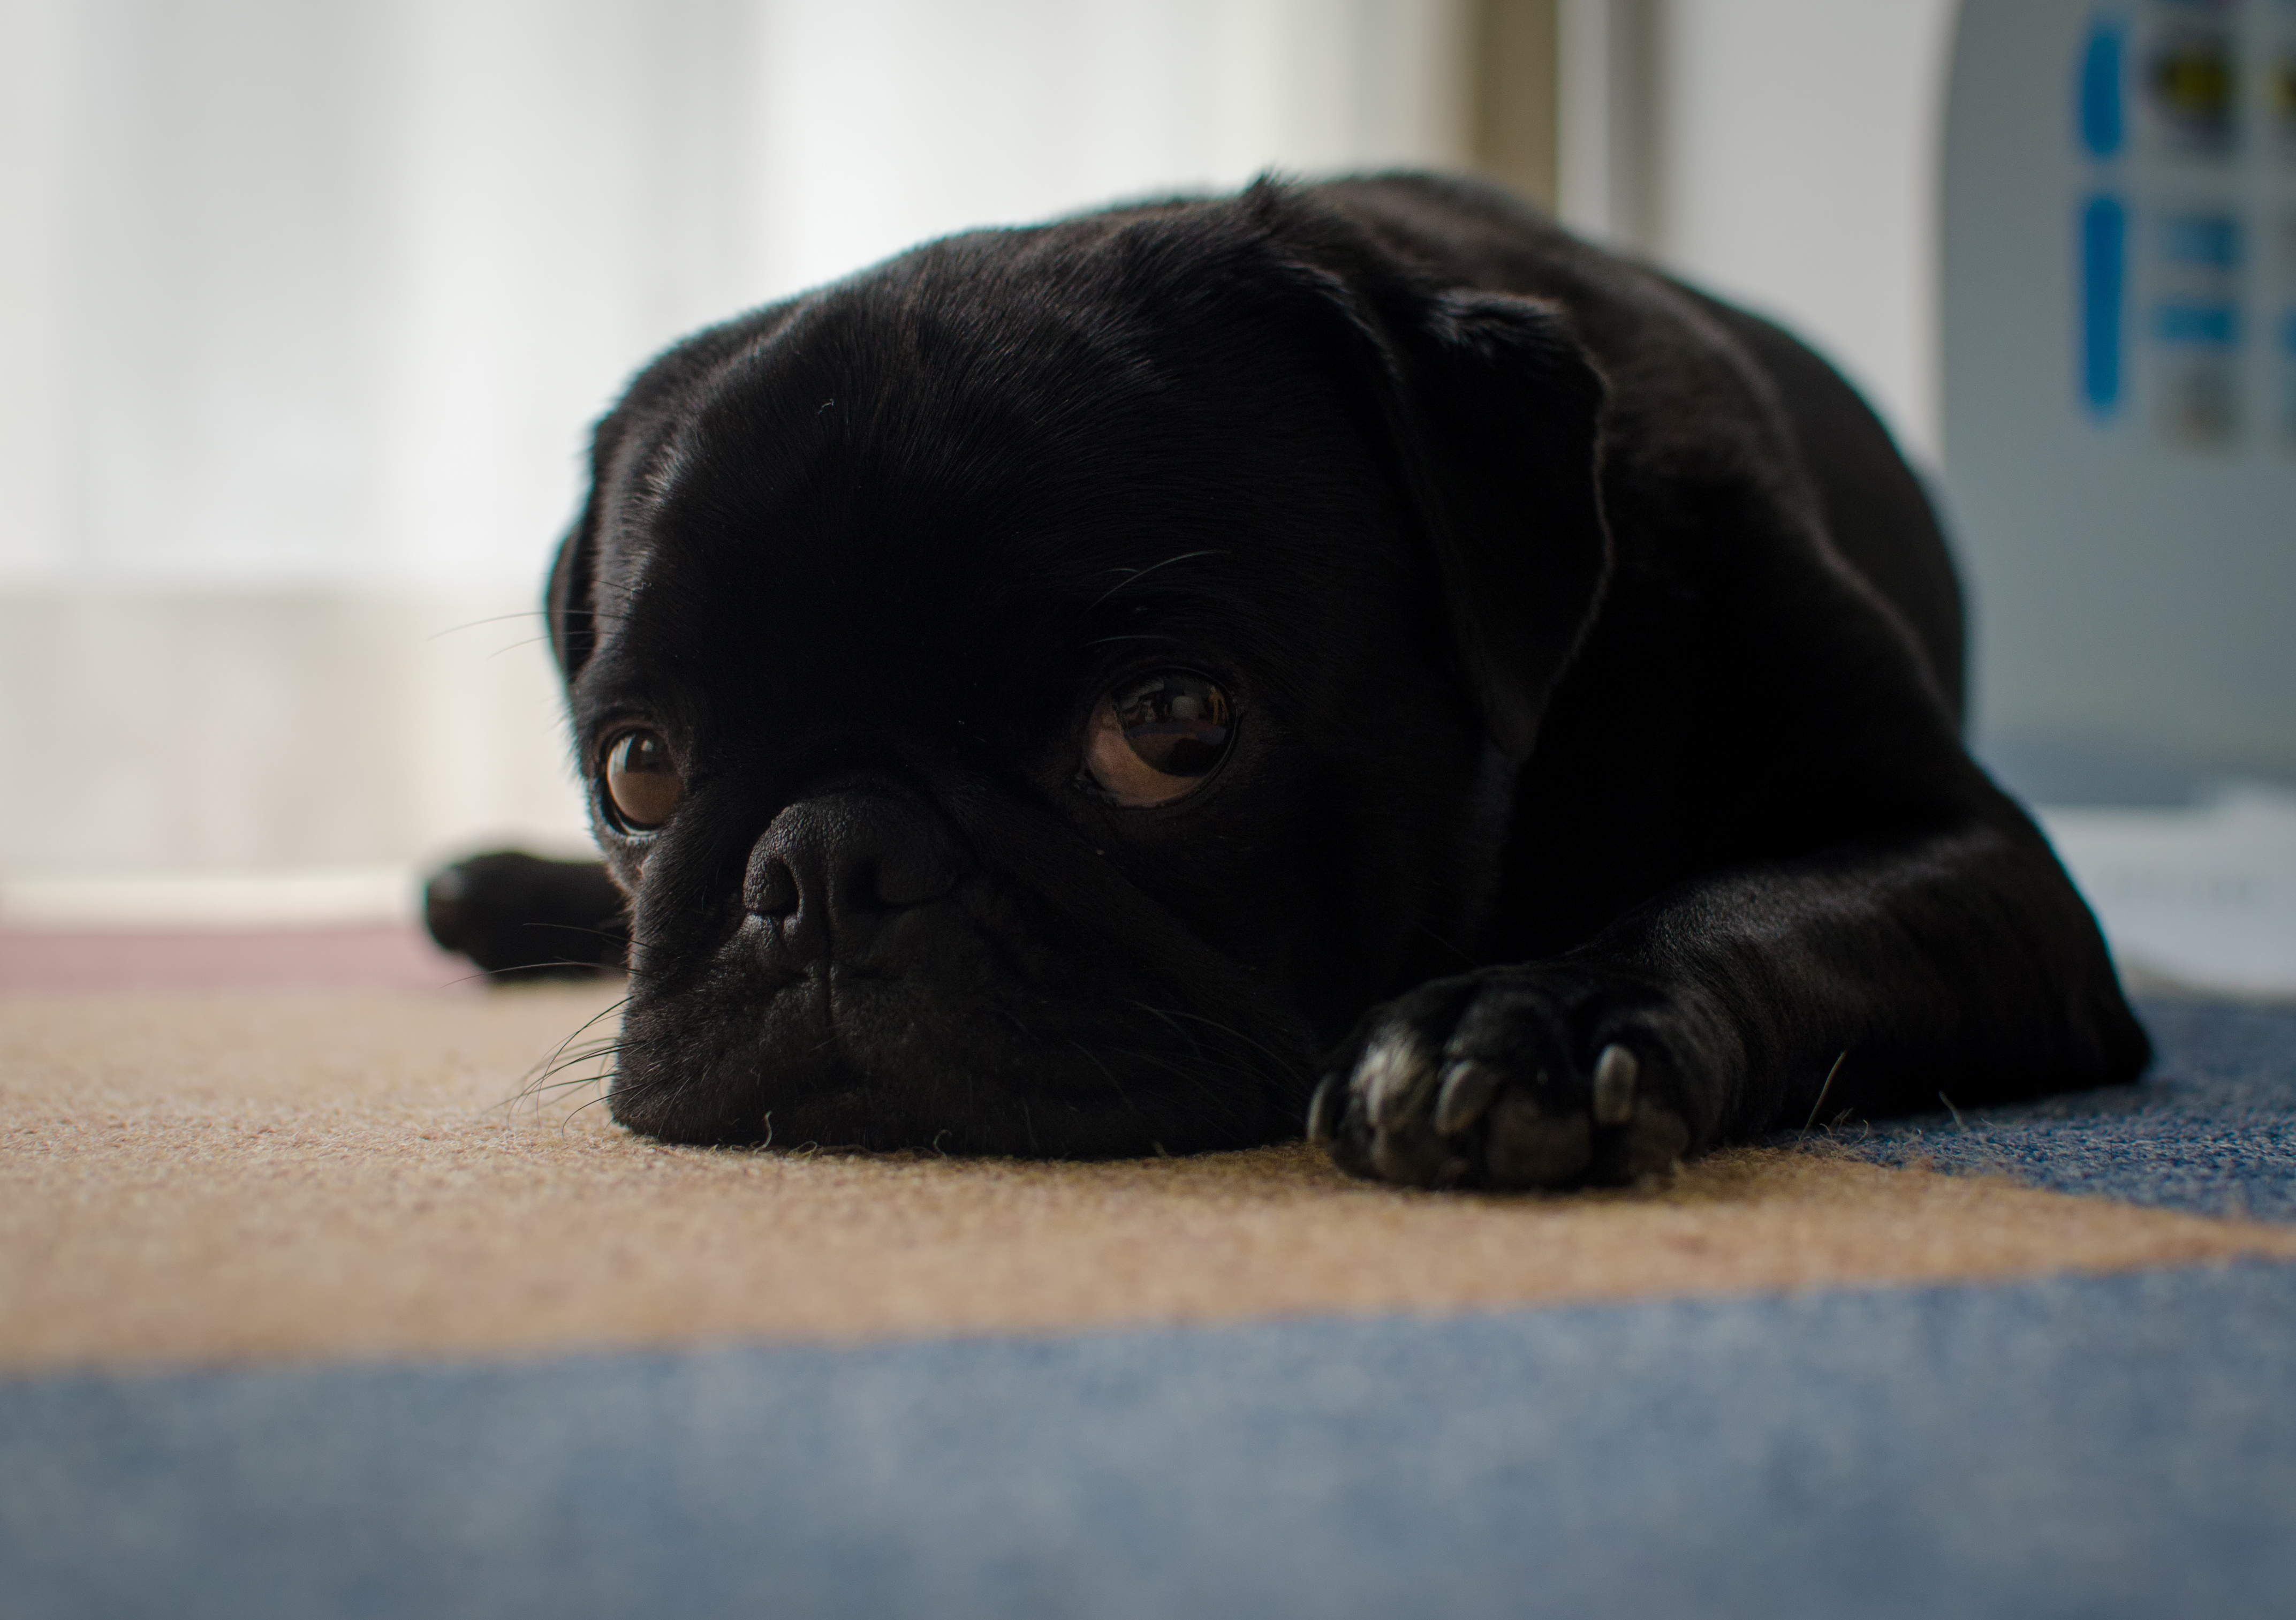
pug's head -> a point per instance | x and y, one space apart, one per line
1037 693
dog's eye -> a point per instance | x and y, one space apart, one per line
1155 740
642 781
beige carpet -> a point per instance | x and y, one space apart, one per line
279 1175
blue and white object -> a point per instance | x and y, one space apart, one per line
2120 381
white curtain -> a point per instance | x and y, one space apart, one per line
329 291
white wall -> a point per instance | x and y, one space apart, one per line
1797 149
34 111
888 121
159 731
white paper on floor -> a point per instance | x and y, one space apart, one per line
2203 895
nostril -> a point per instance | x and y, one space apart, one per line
829 868
772 890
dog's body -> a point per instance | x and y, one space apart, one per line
1044 694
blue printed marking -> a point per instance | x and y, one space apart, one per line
2211 241
2207 325
2104 245
2099 90
2288 332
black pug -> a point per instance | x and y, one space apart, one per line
1344 655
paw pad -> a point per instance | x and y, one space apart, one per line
1478 1082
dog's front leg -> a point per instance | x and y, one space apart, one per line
1961 962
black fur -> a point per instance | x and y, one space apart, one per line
518 915
1595 781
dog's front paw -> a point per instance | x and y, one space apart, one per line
1512 1077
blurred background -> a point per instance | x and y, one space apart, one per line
305 307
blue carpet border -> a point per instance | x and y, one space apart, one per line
2089 1446
2211 1130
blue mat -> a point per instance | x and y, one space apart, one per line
2087 1447
2212 1129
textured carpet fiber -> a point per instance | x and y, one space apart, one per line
2211 1128
310 1303
263 1175
2090 1447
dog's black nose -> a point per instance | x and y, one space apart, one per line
830 869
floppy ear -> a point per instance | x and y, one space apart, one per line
1492 413
1495 412
569 601
566 598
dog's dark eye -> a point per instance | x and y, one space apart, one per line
642 785
1154 740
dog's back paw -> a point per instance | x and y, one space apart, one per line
521 917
